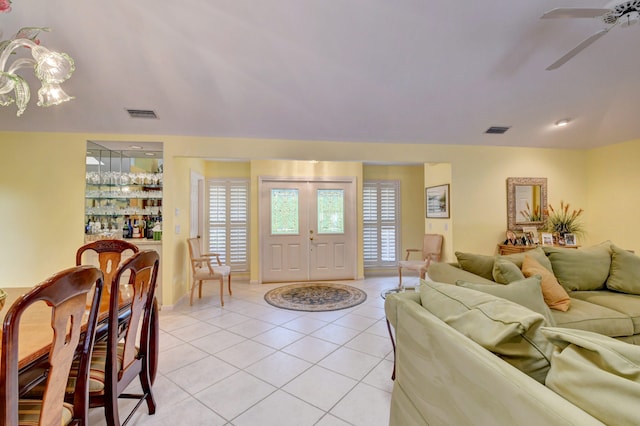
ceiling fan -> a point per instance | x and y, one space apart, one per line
624 14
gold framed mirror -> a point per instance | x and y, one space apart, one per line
526 202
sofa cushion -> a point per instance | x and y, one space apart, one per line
444 272
478 264
624 274
505 328
588 316
526 292
626 304
581 269
554 295
588 362
505 271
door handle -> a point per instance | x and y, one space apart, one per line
311 234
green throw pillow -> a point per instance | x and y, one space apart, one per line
537 253
507 329
624 275
505 271
581 269
526 292
597 373
478 264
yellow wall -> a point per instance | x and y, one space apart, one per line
411 200
42 190
440 174
613 200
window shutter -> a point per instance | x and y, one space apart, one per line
381 219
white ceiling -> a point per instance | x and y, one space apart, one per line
399 71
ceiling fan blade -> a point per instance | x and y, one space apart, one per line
579 48
574 12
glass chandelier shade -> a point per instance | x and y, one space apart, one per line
50 67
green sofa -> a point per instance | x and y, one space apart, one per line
465 356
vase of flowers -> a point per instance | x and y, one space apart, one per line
562 221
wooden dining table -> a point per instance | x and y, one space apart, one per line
36 333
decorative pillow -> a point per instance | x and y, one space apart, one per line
581 269
505 328
505 271
478 264
537 253
624 275
597 373
554 295
526 292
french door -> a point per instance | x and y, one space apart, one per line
307 229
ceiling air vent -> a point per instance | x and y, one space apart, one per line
497 130
141 113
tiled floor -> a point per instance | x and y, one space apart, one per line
252 364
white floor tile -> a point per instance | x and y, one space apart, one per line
280 409
310 349
218 341
251 328
350 362
335 334
201 374
278 337
371 344
178 357
305 325
278 368
320 387
364 406
244 354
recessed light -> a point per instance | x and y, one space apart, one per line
150 154
135 147
563 122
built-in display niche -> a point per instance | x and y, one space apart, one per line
123 197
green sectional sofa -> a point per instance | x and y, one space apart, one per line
484 352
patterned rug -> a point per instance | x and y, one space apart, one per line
315 297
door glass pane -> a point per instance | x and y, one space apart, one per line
284 212
330 211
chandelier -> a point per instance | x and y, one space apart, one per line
50 67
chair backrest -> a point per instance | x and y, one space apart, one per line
195 254
142 270
66 293
109 255
432 247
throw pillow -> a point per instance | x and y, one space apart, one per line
478 264
554 295
624 275
526 292
581 269
537 253
597 373
505 328
505 271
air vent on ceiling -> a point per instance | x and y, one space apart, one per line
497 130
141 113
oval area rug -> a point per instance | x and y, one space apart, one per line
315 297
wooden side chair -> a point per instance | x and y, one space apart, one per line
203 269
109 255
66 293
129 350
431 252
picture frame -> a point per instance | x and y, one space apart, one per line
533 232
570 239
547 239
437 201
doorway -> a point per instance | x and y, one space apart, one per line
307 229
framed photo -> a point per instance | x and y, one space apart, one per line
570 239
437 199
547 239
531 232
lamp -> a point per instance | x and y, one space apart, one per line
50 67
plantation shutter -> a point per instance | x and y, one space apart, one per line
229 221
381 220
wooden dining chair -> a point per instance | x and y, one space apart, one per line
203 269
67 294
431 252
109 255
129 349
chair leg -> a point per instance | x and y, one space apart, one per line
230 285
221 291
200 290
400 277
145 382
193 287
111 408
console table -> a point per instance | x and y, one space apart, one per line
504 249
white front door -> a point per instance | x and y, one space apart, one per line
307 230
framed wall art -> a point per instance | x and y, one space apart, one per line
437 200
